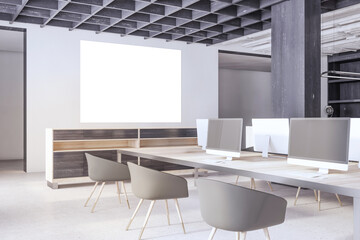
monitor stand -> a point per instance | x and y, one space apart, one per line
323 170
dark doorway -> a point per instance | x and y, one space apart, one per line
13 99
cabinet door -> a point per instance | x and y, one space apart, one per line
74 164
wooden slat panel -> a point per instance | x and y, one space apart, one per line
78 134
73 164
168 133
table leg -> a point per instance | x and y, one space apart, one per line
356 218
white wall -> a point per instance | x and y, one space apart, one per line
11 105
53 69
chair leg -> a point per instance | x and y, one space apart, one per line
237 180
179 213
242 235
315 194
237 234
319 200
134 214
297 195
147 218
196 175
267 235
118 191
167 211
101 189
212 233
126 196
92 192
269 183
338 198
252 183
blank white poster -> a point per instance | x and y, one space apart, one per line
126 83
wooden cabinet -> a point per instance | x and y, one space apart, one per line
66 148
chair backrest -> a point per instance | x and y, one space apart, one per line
235 208
100 169
150 184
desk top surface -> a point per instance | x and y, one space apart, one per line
250 164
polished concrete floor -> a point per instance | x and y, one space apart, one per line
30 210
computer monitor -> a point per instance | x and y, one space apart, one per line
354 142
202 132
320 142
224 137
271 135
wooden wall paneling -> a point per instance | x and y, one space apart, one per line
167 133
110 133
68 135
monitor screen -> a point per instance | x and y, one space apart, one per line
354 144
202 132
224 135
276 130
319 142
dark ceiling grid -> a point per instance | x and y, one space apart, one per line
201 21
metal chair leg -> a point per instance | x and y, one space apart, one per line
147 218
270 186
101 189
134 214
242 235
92 192
179 213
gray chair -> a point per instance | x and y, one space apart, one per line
103 170
238 209
149 184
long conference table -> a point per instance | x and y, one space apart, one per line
272 169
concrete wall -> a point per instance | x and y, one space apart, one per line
244 94
11 105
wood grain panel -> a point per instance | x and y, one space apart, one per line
168 142
100 144
86 134
168 133
73 164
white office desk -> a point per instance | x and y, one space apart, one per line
273 169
